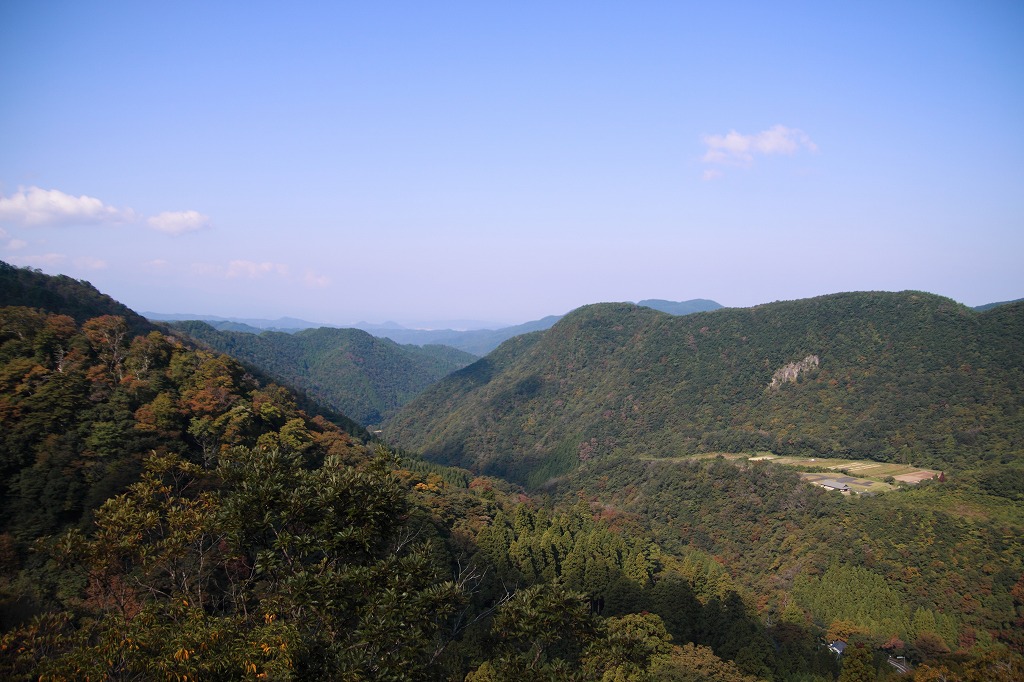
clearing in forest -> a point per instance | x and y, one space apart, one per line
861 475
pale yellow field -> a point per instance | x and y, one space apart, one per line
860 475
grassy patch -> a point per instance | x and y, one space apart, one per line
861 475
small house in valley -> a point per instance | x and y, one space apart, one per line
837 647
832 484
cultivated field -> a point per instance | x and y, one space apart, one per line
861 475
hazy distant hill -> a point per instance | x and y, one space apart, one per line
697 305
345 369
63 295
476 341
482 341
990 306
252 325
896 376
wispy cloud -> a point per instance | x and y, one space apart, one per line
253 270
36 207
89 263
737 149
42 260
13 244
178 222
53 260
315 280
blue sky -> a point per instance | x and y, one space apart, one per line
424 161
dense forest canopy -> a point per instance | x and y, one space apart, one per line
166 514
30 288
347 370
169 514
906 377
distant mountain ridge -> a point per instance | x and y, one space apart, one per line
347 370
697 305
990 306
479 342
252 325
894 376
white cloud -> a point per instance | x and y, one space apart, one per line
178 222
55 260
14 244
252 270
35 207
736 149
89 263
40 260
205 269
315 280
712 174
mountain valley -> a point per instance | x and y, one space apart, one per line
616 497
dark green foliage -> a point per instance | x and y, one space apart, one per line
211 529
889 566
345 369
1005 482
82 406
857 664
262 566
907 377
63 295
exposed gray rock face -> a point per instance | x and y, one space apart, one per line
790 372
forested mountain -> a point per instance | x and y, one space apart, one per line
63 295
597 406
935 568
482 341
166 514
477 342
908 377
347 370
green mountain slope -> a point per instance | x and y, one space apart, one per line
211 529
345 369
63 295
904 376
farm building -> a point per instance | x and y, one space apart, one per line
832 484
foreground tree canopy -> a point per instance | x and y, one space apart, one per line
168 515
